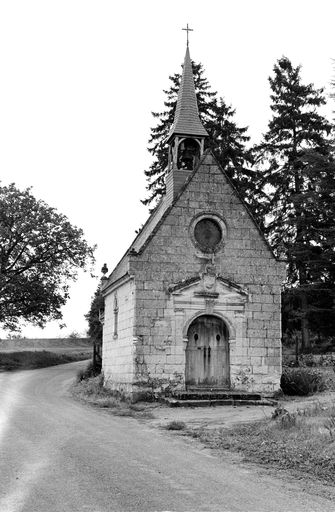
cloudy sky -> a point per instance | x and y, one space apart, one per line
79 79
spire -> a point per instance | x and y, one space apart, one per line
186 120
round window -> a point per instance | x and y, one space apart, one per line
208 234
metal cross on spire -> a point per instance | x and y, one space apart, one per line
187 31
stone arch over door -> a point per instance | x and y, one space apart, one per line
207 352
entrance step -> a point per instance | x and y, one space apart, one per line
211 398
215 394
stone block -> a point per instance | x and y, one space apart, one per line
255 324
264 298
270 307
260 370
273 333
255 361
262 315
274 352
271 360
173 359
257 342
252 306
275 369
257 351
256 333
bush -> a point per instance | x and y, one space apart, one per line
302 381
91 370
175 425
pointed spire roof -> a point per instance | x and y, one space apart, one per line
186 120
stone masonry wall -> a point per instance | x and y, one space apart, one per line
245 259
118 350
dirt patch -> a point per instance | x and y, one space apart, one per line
299 440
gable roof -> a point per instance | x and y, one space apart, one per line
186 119
156 219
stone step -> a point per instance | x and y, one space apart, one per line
208 388
173 402
214 395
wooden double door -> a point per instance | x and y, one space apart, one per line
207 353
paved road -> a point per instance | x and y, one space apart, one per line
60 456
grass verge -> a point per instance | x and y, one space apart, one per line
93 392
175 425
28 360
303 441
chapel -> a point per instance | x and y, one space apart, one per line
195 301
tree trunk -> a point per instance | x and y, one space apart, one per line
305 338
296 350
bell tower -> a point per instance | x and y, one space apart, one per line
187 134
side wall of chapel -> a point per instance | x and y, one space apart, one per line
118 343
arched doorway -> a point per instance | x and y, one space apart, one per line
207 353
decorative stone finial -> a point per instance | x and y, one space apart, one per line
104 271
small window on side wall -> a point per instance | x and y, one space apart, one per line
116 316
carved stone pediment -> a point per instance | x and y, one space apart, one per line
209 285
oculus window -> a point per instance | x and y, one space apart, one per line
208 232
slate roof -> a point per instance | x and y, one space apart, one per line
122 268
186 120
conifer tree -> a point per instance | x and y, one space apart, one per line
226 139
297 164
228 143
93 316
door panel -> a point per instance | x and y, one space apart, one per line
207 353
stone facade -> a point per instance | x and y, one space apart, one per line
165 282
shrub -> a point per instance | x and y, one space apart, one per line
175 425
90 371
93 386
302 381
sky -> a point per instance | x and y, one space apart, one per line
80 78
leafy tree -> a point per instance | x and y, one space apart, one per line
40 253
226 139
298 179
93 316
74 335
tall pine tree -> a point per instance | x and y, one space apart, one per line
296 158
228 143
226 139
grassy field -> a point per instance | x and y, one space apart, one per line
28 360
26 354
56 345
303 442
